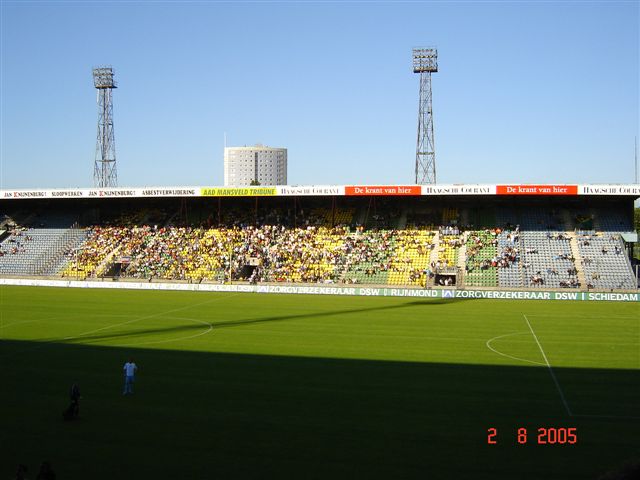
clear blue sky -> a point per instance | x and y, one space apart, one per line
528 92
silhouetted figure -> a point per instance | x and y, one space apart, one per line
21 473
46 472
74 407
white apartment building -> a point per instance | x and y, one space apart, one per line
243 165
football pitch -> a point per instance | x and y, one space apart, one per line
302 386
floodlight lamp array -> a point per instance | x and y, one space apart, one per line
425 60
103 77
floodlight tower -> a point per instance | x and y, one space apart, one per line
425 62
104 171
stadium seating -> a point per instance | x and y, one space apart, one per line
547 260
37 251
410 257
101 242
611 221
604 261
510 244
481 258
525 247
448 249
328 217
367 256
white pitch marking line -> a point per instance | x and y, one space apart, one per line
553 375
174 339
146 317
510 356
47 342
18 323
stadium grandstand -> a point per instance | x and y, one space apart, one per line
476 236
554 237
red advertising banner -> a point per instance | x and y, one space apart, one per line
536 189
383 190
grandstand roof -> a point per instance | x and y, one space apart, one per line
629 190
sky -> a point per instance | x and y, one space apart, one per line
526 92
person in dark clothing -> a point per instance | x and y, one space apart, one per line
74 396
21 472
46 472
74 407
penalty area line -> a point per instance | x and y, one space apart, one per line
553 375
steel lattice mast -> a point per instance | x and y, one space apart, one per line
425 62
104 171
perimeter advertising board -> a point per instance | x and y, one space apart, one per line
328 190
238 192
609 190
332 290
311 190
537 189
386 190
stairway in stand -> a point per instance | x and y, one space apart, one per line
575 251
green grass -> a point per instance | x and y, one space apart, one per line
284 386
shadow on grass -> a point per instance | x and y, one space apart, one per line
198 415
199 325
